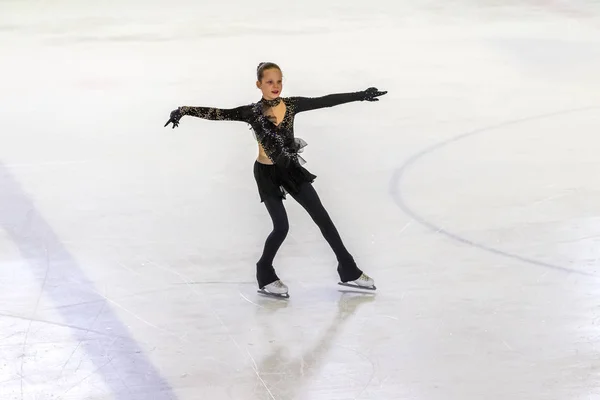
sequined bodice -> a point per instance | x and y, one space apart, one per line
278 141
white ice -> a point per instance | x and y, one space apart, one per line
470 193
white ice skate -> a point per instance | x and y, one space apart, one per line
363 282
275 289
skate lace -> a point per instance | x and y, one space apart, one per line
278 284
364 277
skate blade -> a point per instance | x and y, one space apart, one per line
275 295
355 286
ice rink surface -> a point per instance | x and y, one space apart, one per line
470 193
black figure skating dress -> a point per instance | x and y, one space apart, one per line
278 141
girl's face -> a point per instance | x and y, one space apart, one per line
271 84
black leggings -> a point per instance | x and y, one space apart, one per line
308 198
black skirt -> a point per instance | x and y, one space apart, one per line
274 180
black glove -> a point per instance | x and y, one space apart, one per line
371 94
175 117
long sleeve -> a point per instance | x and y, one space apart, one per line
241 113
330 100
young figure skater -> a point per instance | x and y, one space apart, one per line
278 169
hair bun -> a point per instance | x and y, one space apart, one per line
264 66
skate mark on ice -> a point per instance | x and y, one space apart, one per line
123 297
62 278
397 194
43 321
139 318
248 300
209 305
367 359
98 369
290 374
81 340
35 310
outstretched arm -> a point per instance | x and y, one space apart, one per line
241 114
313 103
